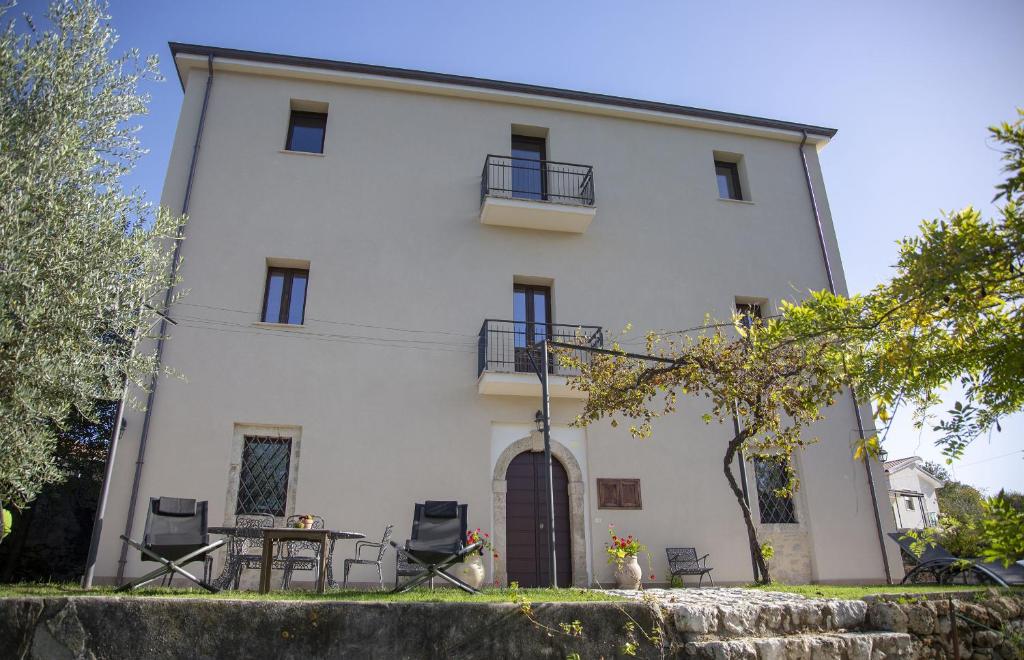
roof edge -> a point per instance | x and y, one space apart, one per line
178 48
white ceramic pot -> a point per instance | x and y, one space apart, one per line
628 574
471 571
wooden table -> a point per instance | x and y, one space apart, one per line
272 534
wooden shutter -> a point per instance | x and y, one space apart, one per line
618 494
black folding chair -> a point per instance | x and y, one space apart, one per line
438 542
176 534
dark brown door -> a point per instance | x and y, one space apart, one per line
526 523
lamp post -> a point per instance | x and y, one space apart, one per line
543 418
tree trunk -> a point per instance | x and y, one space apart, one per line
755 544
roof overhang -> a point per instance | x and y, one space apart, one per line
188 56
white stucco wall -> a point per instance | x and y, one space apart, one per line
388 220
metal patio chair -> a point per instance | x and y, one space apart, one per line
300 555
176 534
437 543
684 561
371 546
247 552
938 565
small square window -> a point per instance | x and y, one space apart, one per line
284 300
910 503
306 132
728 175
751 312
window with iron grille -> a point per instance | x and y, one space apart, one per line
771 477
751 312
263 481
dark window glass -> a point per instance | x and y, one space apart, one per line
750 312
306 132
263 480
728 175
910 503
528 180
285 297
771 477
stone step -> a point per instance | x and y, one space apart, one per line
749 619
821 646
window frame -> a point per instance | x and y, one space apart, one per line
288 442
286 294
733 177
305 114
617 484
761 500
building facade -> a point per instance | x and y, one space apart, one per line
371 251
912 493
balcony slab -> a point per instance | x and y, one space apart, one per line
536 214
525 384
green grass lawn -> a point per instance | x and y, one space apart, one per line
441 595
853 592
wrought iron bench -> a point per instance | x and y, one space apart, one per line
684 561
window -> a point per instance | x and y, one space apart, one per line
771 476
749 311
531 321
618 494
528 170
285 298
306 132
909 501
728 175
263 480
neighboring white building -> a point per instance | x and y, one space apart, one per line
912 493
370 250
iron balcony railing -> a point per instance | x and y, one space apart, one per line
541 180
505 346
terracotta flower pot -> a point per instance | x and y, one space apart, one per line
628 574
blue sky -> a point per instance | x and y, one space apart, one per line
910 85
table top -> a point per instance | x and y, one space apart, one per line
257 532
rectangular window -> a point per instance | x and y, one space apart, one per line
263 479
285 298
306 131
910 503
528 167
728 175
750 312
531 317
618 494
771 477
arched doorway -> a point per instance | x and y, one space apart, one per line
527 539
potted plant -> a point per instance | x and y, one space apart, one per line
305 521
623 551
471 570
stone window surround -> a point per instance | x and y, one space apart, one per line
499 488
235 467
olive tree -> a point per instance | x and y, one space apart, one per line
84 262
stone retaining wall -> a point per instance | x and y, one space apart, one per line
997 631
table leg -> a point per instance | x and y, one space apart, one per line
266 564
321 578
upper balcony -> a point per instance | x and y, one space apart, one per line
505 348
537 194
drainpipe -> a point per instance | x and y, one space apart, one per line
853 392
168 297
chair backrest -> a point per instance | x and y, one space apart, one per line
175 527
251 521
681 558
931 551
384 542
441 521
294 546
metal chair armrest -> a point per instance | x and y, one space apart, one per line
367 544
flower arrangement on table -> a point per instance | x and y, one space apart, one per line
483 538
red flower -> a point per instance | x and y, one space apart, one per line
652 576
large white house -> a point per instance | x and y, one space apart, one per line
371 250
912 493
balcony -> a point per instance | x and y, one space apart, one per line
537 194
504 367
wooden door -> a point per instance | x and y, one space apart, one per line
527 534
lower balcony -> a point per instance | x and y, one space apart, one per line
509 352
